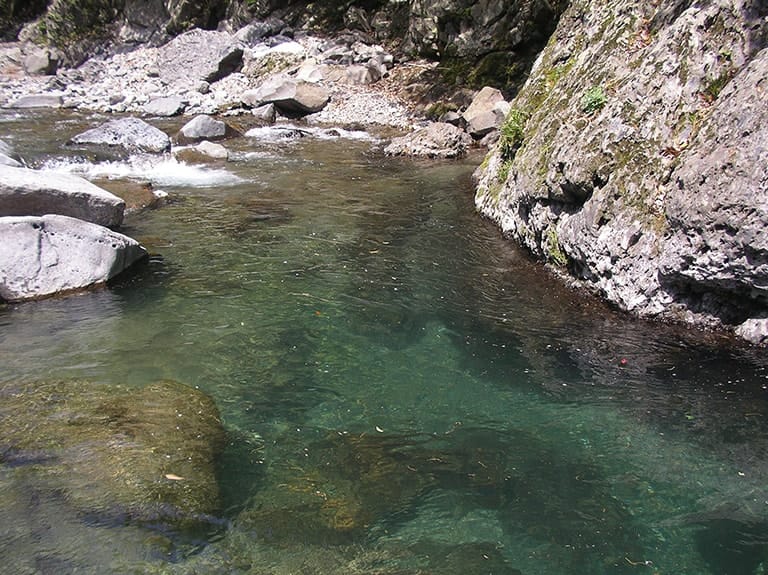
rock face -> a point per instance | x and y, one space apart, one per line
25 192
437 140
199 55
42 256
636 159
114 453
130 134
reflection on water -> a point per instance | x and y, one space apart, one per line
402 391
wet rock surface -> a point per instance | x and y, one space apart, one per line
115 453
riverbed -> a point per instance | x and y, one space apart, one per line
403 390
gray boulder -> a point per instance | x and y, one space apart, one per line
199 55
25 192
436 140
9 161
168 106
266 113
45 255
363 74
256 31
204 128
41 61
6 156
288 95
131 134
38 101
486 112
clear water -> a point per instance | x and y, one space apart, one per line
403 391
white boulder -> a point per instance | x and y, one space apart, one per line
45 255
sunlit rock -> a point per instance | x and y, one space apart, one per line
437 140
43 256
25 192
131 134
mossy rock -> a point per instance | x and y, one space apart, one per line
115 453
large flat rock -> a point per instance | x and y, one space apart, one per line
111 452
25 192
291 96
130 134
45 255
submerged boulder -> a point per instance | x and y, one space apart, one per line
25 192
130 134
436 140
113 452
6 156
46 255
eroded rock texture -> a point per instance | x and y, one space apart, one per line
636 159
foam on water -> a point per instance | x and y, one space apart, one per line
287 132
160 170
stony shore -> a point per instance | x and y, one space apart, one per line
128 83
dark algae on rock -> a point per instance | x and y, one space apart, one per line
641 167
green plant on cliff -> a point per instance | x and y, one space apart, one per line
69 22
593 100
554 249
512 133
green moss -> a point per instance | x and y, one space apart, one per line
512 133
715 85
436 110
504 169
593 100
554 249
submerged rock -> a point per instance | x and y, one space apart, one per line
46 255
112 452
7 156
437 140
131 134
25 192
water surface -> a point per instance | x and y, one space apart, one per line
403 391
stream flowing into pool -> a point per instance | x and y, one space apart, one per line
403 391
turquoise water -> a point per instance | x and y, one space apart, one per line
403 391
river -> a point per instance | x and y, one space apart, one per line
404 391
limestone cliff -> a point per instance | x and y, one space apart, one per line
635 158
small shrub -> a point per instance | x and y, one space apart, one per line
593 100
512 133
555 250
